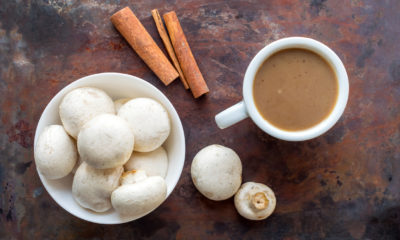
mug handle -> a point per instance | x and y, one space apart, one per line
231 115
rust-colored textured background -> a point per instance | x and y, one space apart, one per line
343 185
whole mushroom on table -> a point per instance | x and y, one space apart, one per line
255 201
217 173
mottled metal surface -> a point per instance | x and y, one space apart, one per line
343 185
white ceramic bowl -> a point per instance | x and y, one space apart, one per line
116 85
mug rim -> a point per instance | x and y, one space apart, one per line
304 43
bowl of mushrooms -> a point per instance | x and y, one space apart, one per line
109 148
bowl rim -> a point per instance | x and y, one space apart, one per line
76 84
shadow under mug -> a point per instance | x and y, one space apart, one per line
246 108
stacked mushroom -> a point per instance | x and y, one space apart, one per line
217 174
111 137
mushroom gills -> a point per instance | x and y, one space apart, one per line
259 201
255 201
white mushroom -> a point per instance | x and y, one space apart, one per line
55 152
92 188
132 176
155 163
81 105
119 102
217 172
106 141
149 121
136 199
255 201
77 164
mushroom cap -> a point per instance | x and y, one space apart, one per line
119 102
55 152
255 201
81 105
132 176
77 164
106 141
155 163
217 172
92 188
139 198
149 121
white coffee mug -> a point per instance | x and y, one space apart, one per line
247 108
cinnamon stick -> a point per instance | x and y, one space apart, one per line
185 55
168 45
140 40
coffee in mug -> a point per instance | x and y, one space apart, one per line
295 89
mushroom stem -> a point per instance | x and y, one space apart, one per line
260 201
255 201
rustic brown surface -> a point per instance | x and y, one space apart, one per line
343 185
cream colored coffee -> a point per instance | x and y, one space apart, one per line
295 89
